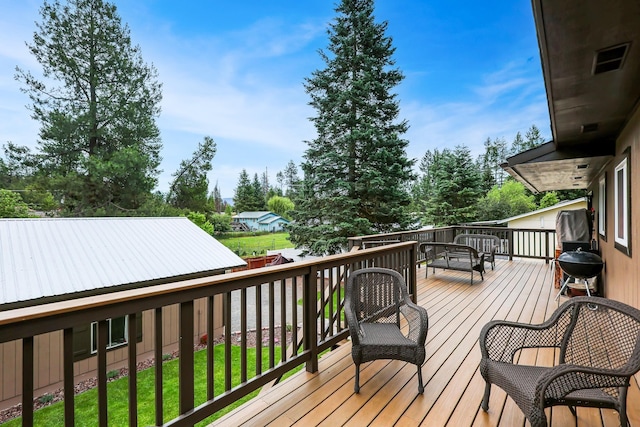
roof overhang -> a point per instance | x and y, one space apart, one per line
545 168
590 54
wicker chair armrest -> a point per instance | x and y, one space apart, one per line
417 319
566 378
501 339
354 325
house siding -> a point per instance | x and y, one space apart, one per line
622 272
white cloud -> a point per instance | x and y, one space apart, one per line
506 102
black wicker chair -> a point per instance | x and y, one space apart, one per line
378 309
599 350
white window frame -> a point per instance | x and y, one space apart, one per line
602 207
621 205
110 339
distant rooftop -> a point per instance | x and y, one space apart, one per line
50 259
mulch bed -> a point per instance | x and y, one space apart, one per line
58 395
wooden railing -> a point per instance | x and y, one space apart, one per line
514 242
320 327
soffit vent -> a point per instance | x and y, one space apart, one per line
590 127
610 59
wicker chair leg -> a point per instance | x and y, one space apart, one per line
573 411
356 388
485 399
420 386
622 411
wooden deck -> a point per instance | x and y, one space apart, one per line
520 290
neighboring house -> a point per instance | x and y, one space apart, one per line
544 218
49 260
261 221
590 53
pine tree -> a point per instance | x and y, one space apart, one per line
258 195
98 139
242 199
454 187
356 171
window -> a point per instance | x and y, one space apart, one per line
602 207
116 330
622 223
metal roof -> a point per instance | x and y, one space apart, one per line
252 214
559 205
274 219
49 258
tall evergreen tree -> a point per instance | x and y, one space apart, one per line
249 195
218 202
259 196
98 138
291 179
455 188
243 194
533 138
356 170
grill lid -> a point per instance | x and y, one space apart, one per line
580 264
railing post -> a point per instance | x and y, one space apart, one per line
413 281
510 236
310 309
546 249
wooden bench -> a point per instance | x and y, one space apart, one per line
484 243
452 256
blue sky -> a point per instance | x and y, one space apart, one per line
235 70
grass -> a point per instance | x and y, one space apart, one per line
246 244
86 404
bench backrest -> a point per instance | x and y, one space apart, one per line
481 242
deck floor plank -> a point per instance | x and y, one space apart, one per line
519 290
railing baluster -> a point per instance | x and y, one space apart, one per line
259 329
210 349
158 366
272 319
329 303
323 302
283 320
69 389
294 316
27 381
133 371
243 335
185 372
103 330
227 341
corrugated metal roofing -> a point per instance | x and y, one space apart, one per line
42 258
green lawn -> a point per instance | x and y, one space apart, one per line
245 244
86 404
